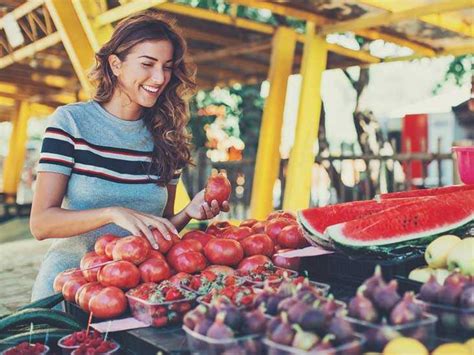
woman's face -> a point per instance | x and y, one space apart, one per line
145 72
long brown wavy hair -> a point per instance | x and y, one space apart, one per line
167 119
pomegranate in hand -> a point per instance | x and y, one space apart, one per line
218 188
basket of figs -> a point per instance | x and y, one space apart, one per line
380 313
223 328
452 303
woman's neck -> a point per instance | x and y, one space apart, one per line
122 107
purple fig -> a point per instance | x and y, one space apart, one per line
283 332
272 304
304 340
254 322
218 304
378 337
466 299
362 308
285 305
203 326
314 320
195 316
458 278
373 282
233 317
451 291
219 330
272 324
252 347
430 290
285 289
296 312
324 346
341 329
329 306
385 297
406 311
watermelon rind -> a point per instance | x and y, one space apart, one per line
437 191
316 240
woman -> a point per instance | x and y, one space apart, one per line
111 165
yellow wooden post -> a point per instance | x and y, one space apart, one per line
182 197
268 155
298 179
16 149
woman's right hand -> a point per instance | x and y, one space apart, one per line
139 223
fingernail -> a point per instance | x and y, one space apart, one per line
155 246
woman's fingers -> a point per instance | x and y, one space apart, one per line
225 206
207 211
145 231
215 208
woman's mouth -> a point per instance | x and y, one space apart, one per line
150 89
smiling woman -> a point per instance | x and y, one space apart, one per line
111 165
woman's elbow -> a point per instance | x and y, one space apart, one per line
36 228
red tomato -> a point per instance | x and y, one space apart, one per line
259 227
190 262
220 269
252 262
218 188
122 274
286 263
154 270
91 274
180 278
175 238
248 223
163 244
102 242
258 244
86 292
110 302
217 228
86 257
155 254
274 226
65 276
133 248
237 233
281 214
182 247
198 235
109 248
291 237
71 287
224 252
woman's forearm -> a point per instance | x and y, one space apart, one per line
180 220
56 222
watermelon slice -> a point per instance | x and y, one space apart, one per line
413 223
315 220
426 192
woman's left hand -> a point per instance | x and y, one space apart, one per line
199 209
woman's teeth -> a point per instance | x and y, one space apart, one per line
150 88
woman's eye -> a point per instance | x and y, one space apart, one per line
168 68
147 64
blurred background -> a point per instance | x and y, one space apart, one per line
302 103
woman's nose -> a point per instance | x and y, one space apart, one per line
158 76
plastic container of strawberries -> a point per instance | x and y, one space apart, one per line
201 344
352 347
15 350
116 349
454 323
160 314
422 330
257 283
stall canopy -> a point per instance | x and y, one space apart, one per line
47 47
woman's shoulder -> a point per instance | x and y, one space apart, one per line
71 115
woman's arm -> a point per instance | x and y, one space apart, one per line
49 220
198 208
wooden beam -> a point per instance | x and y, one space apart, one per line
23 9
389 17
232 51
268 155
30 49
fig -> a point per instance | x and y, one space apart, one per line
218 304
458 278
233 317
195 316
373 282
203 326
303 340
362 308
285 289
296 312
341 329
430 290
378 337
329 307
385 297
285 304
324 346
218 329
314 320
272 324
283 333
451 291
272 304
254 322
466 299
406 310
252 347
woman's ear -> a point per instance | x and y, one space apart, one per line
115 64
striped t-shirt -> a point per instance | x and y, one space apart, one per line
107 160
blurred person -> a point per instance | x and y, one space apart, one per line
111 164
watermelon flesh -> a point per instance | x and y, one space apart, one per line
415 223
426 192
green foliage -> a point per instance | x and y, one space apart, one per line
459 71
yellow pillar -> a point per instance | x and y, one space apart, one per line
74 38
298 179
16 149
268 155
182 197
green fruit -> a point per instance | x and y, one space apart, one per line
437 251
462 256
421 274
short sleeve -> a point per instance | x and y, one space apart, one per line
57 150
176 176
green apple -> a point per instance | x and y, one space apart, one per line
462 256
441 275
421 274
438 250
